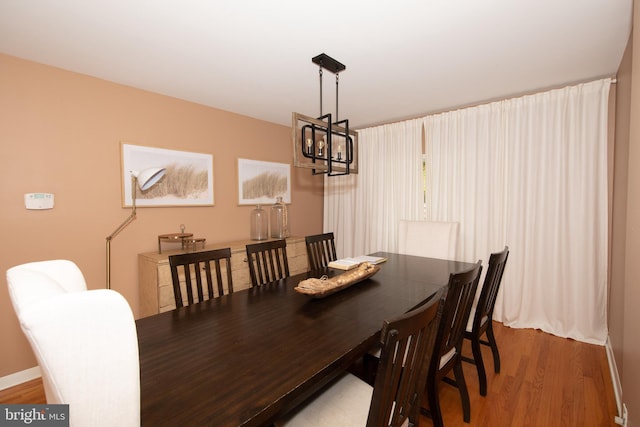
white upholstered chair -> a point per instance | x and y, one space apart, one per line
430 239
85 342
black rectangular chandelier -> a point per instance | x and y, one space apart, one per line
321 144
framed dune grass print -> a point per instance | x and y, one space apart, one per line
188 180
262 182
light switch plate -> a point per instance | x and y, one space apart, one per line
38 201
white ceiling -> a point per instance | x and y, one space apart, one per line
253 57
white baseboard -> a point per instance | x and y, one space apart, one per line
615 377
20 377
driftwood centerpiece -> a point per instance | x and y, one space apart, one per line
320 288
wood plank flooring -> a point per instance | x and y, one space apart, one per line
28 392
544 381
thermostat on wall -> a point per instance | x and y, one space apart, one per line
38 201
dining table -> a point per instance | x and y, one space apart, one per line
247 358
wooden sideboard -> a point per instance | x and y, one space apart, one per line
154 274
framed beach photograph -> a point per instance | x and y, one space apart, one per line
262 182
188 180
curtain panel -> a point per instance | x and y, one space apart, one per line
363 210
528 172
531 173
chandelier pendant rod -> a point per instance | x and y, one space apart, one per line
320 75
337 119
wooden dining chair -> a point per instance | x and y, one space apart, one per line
446 356
321 249
394 400
191 266
267 261
480 318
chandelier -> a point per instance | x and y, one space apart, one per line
321 144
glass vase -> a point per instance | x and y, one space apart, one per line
279 220
259 224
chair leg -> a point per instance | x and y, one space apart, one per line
477 358
369 367
464 393
434 403
494 347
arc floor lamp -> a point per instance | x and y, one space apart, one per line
145 180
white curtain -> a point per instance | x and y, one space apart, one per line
363 210
531 173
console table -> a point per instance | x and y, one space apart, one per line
154 274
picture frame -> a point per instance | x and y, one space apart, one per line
188 180
261 182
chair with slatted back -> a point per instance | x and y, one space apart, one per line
461 290
394 400
321 249
480 319
267 261
197 269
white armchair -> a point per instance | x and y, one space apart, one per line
428 239
85 342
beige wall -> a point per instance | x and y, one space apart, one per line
619 202
624 316
631 338
61 133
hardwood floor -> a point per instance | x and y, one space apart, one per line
544 381
28 392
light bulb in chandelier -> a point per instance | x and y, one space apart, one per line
321 145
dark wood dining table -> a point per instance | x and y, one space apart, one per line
247 358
